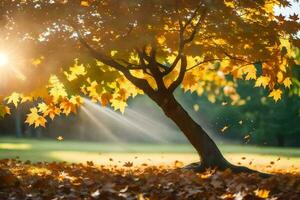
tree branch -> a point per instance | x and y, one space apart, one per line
143 64
153 67
164 67
204 61
131 66
182 41
196 27
180 77
140 83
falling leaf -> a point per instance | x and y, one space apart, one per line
224 103
247 138
224 129
196 107
60 138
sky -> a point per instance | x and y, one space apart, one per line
295 8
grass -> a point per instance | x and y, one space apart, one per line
105 153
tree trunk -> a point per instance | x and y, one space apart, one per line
18 124
210 155
208 151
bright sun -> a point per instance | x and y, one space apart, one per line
3 59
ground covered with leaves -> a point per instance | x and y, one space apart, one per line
25 180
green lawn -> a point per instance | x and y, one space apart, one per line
104 153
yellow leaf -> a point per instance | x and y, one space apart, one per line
42 107
279 76
262 81
35 118
67 107
85 3
118 105
37 62
262 193
250 70
211 98
56 88
287 82
276 94
75 71
105 98
76 100
52 111
4 110
7 110
14 98
113 53
161 39
283 67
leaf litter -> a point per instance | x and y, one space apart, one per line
61 180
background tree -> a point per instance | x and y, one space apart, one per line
112 50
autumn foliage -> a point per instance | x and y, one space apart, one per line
237 39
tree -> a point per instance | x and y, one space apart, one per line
112 50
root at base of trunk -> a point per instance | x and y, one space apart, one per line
198 167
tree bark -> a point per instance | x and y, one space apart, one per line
210 155
208 151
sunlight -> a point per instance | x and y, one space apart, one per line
131 123
15 146
3 59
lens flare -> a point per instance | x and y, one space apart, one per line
3 59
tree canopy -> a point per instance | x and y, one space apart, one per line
56 51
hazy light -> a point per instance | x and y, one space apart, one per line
3 59
117 127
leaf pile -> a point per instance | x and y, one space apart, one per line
24 180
